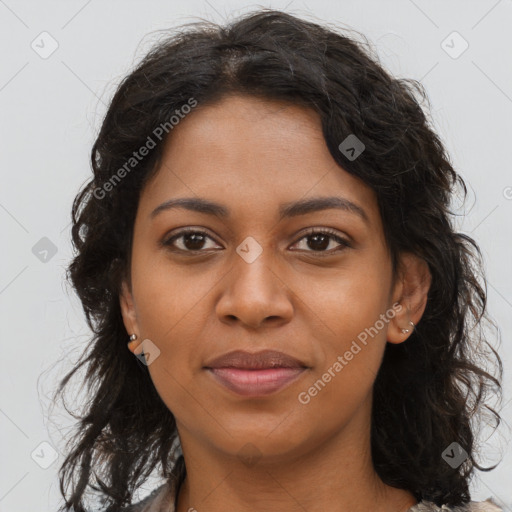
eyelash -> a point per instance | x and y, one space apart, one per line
310 232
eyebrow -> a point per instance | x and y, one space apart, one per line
286 210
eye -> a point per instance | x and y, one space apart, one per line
192 240
195 241
320 239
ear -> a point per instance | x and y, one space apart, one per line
411 291
128 309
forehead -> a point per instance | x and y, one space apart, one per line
249 152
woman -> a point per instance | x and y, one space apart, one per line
269 225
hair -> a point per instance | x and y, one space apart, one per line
429 391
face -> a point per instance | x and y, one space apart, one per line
259 273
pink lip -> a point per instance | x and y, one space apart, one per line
255 361
255 374
255 382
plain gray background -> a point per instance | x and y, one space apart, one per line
52 107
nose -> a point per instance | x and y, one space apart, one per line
254 294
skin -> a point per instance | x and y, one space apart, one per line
251 155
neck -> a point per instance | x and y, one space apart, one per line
335 475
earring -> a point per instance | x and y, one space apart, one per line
131 343
406 331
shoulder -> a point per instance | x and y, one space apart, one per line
473 506
153 502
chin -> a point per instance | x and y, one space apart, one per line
266 442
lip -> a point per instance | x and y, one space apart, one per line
255 374
262 360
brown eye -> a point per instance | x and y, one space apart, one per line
321 240
189 240
196 241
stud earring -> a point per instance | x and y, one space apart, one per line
406 331
131 343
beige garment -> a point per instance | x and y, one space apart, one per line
162 500
472 506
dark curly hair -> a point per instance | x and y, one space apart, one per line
429 391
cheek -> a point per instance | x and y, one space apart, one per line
167 297
351 357
171 305
351 334
349 302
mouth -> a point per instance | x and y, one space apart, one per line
257 374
